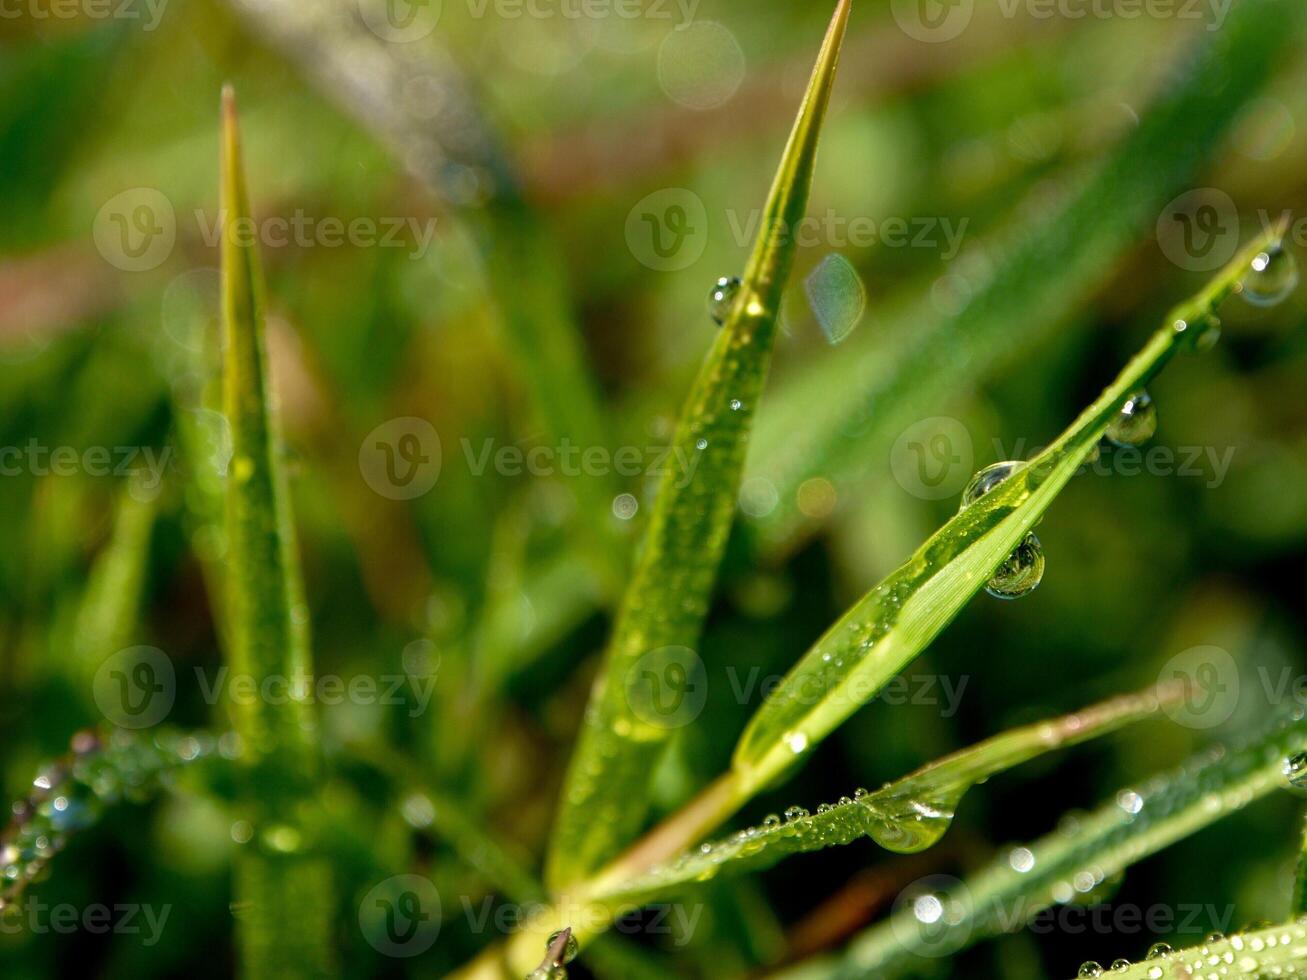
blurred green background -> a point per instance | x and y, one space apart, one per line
524 299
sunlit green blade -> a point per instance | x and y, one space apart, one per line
1258 954
1078 858
853 402
70 794
906 815
894 622
605 797
283 888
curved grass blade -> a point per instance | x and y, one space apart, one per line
1077 859
894 622
854 401
71 793
1258 954
283 887
605 797
907 815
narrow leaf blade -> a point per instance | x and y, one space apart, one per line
605 797
897 619
906 815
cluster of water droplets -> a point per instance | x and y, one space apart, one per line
1022 571
1263 950
70 794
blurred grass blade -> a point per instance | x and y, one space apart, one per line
1271 951
283 888
853 402
96 773
605 797
907 815
1081 856
446 141
110 607
897 619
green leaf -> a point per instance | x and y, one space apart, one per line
907 815
283 887
1079 857
1272 951
851 403
605 797
897 619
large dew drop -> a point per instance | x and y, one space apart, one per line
1136 423
1272 275
722 297
1295 770
1023 570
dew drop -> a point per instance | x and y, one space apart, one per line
1136 422
796 742
1295 770
722 297
795 813
569 950
1158 951
1023 570
987 479
1021 573
1022 859
1090 969
1120 966
1272 275
771 822
1200 333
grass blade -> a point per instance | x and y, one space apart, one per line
1273 951
854 401
283 888
110 606
894 622
606 793
1028 880
906 815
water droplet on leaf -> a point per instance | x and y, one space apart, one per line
1023 570
569 950
1272 275
722 297
1136 422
